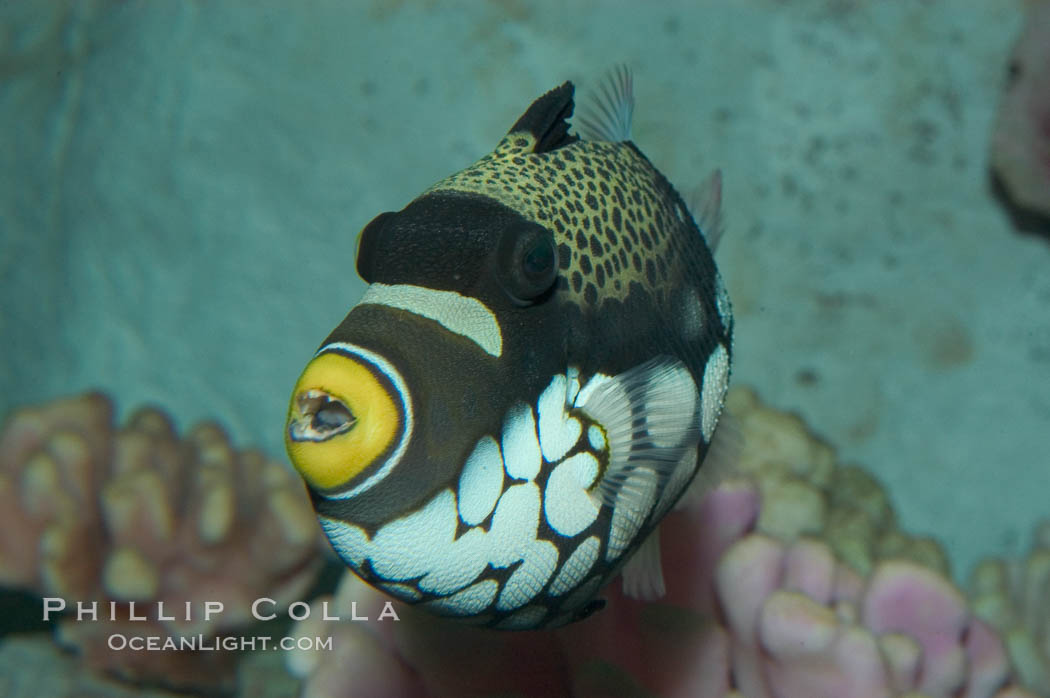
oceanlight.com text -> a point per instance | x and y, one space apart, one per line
119 642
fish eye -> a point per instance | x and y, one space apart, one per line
526 262
538 260
346 418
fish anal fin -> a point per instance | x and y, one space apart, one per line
643 577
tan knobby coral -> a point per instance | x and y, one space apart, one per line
1014 597
94 513
805 493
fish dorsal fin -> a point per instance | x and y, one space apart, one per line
548 119
607 114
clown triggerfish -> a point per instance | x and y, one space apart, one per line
530 381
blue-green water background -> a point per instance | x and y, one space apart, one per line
183 183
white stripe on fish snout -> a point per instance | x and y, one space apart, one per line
463 315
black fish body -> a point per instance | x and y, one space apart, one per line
529 383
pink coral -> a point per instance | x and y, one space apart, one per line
1021 140
748 613
93 513
801 626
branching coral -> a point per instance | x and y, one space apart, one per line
1014 597
760 603
93 513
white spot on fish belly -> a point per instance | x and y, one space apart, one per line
521 446
584 593
575 567
480 482
350 541
558 431
402 591
567 505
411 546
525 583
725 312
716 381
514 524
596 438
596 381
474 599
458 564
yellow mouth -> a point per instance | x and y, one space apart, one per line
340 421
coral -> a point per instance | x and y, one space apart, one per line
1020 157
32 666
748 612
94 513
1013 596
802 624
804 492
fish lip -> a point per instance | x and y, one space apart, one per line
305 425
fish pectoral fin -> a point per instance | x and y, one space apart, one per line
643 577
721 463
649 417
